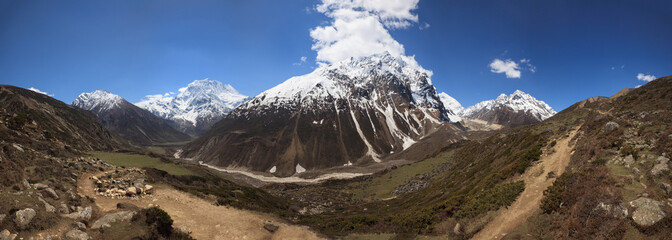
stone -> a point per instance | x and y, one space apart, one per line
269 226
148 188
51 193
76 234
63 208
647 211
23 217
113 217
183 229
663 160
7 235
659 169
629 160
131 191
25 183
48 207
2 217
40 186
79 225
457 229
83 214
610 126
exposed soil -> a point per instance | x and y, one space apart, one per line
536 182
203 218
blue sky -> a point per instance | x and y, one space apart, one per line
135 48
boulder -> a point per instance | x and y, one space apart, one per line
7 235
113 217
51 193
647 211
25 183
23 217
48 207
131 191
2 217
148 188
269 226
83 214
40 186
660 169
457 229
76 234
79 225
63 209
628 160
663 160
610 126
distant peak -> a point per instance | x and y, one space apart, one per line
98 100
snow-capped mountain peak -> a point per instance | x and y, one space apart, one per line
453 106
98 101
518 101
338 79
200 104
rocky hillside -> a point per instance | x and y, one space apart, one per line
197 107
31 120
355 111
513 110
127 120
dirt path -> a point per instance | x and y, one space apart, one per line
535 184
204 219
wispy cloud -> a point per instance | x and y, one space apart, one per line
302 60
38 91
645 77
361 28
424 26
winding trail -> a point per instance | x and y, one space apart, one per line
203 218
529 200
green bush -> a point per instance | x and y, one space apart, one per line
526 159
160 220
552 200
492 199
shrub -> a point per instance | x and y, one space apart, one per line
160 220
552 200
492 199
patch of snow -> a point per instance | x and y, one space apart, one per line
272 170
177 154
370 151
453 106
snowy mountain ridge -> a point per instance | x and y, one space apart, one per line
199 105
518 101
336 81
98 101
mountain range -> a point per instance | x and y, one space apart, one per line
127 120
197 106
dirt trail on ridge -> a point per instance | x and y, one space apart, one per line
529 200
203 218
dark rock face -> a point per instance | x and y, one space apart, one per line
130 122
326 119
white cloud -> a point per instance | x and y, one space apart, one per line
424 26
361 28
38 91
302 60
508 66
645 77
